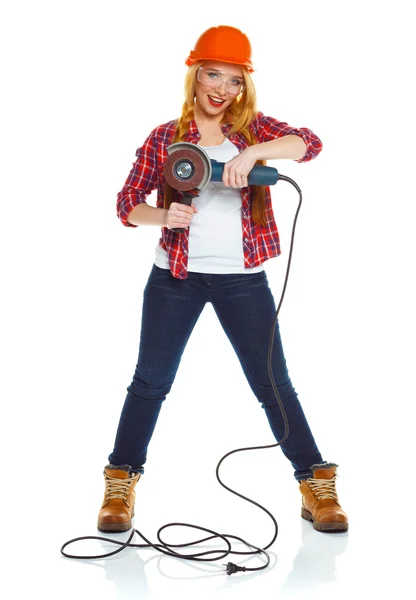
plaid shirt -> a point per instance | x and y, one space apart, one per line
259 243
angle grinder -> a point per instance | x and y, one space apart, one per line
189 169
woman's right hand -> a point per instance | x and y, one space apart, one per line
180 215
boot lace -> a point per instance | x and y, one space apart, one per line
324 488
118 488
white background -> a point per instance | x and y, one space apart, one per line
84 82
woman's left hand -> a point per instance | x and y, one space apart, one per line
237 169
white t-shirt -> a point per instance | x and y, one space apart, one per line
215 232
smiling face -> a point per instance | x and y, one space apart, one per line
212 96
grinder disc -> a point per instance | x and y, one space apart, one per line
187 167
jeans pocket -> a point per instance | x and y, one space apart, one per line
259 276
158 271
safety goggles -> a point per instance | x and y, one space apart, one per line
213 78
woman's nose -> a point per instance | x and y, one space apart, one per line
221 85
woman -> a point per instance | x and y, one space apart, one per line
230 232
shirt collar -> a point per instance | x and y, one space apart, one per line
193 131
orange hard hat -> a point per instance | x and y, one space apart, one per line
222 43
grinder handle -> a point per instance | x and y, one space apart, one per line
259 174
186 199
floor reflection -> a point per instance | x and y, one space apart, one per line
314 564
126 571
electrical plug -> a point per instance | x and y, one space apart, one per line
232 568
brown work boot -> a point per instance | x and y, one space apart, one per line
118 506
320 501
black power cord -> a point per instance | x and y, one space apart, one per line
220 554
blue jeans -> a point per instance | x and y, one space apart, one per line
246 310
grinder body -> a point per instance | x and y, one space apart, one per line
189 169
259 175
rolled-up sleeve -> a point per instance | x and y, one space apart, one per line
269 129
142 180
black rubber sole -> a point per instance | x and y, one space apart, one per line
113 527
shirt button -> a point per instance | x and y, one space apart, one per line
246 239
245 216
185 252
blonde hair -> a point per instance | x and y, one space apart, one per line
240 113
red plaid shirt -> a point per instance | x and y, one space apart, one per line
259 243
